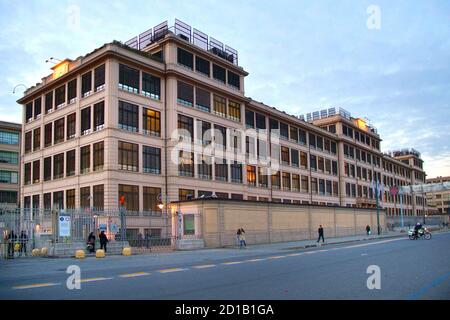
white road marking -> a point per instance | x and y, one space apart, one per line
171 270
204 266
36 285
132 275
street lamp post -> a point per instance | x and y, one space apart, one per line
378 208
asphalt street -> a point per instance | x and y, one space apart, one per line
417 269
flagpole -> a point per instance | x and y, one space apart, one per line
378 210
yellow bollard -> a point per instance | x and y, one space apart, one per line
100 253
126 251
35 252
79 254
44 251
17 247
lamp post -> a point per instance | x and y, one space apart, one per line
378 207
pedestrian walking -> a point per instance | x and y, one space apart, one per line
140 239
238 236
23 239
103 240
242 238
320 231
11 238
368 230
91 242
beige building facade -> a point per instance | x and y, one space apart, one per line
10 139
171 122
439 201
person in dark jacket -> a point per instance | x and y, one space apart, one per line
23 239
11 242
91 242
103 240
368 229
320 231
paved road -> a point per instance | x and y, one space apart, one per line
409 270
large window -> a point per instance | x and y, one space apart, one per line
28 141
128 156
221 169
49 102
99 78
249 119
294 158
185 194
26 175
29 111
12 177
202 99
236 172
98 191
185 94
128 79
85 197
234 111
220 136
8 196
98 155
151 122
72 91
185 58
151 159
131 196
36 171
9 138
86 84
260 122
99 115
251 175
202 66
219 73
276 180
48 169
58 200
263 178
286 181
234 80
220 106
86 121
203 132
37 108
70 163
186 164
36 139
71 126
285 155
151 86
9 157
60 96
70 199
85 161
150 200
128 116
186 127
58 166
59 131
284 131
204 167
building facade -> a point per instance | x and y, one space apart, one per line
10 139
167 119
439 201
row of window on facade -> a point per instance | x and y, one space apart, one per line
9 157
203 66
360 137
9 138
8 197
64 129
91 81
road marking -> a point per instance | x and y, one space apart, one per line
36 285
370 244
295 254
171 270
276 257
94 279
436 282
232 262
254 260
205 266
363 254
136 274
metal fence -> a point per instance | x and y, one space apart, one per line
25 229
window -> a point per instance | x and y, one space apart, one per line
151 199
48 134
36 171
294 158
128 79
58 200
151 159
185 58
236 172
151 86
276 180
284 131
249 119
185 194
219 73
128 116
37 108
12 177
202 65
58 166
314 185
28 141
72 91
321 164
220 136
222 195
98 191
11 138
260 122
234 80
128 156
48 169
221 169
295 182
49 102
203 193
70 163
293 131
8 196
302 135
334 167
286 181
220 107
319 143
99 116
285 155
186 127
328 188
263 180
250 147
86 84
204 167
186 164
70 199
234 111
71 126
85 163
99 78
86 121
36 139
332 128
312 140
9 157
185 94
47 200
29 111
98 155
251 175
85 197
333 147
273 126
151 122
261 149
304 184
313 162
27 173
303 159
335 189
202 100
204 132
60 96
59 131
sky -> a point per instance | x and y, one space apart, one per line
388 61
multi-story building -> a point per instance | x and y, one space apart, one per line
9 164
165 118
439 200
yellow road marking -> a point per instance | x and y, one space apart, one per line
205 266
94 279
171 270
232 262
36 285
136 274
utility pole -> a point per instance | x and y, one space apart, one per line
378 208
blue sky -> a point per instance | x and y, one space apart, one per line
301 55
